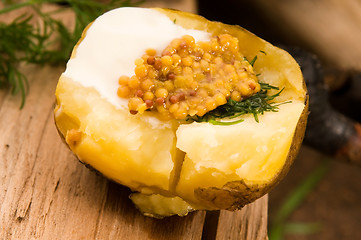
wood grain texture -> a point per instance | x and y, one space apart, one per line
330 28
45 193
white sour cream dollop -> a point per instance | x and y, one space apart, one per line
115 40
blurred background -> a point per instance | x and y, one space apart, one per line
320 197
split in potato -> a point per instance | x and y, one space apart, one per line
176 166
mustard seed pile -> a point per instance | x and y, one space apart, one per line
189 78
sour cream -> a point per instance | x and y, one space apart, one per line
115 40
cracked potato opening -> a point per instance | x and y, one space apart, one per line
188 113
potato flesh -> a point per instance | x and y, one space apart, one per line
251 151
138 154
122 147
113 141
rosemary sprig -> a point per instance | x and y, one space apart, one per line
47 42
256 104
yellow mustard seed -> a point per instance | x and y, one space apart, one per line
153 74
203 93
210 104
196 66
73 136
138 61
229 69
165 70
161 109
218 60
188 71
205 65
189 78
161 92
141 71
180 114
250 68
178 70
244 89
258 88
176 43
194 102
215 46
179 82
194 86
187 61
219 83
211 89
147 84
123 91
228 86
198 77
236 96
233 78
134 102
242 75
183 52
176 60
169 85
237 64
192 112
148 95
220 99
198 51
167 60
207 57
134 82
201 110
141 108
151 51
123 80
189 39
173 108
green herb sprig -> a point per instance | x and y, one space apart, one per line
48 41
256 104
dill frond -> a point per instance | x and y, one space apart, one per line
47 42
256 104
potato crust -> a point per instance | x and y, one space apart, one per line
235 195
121 147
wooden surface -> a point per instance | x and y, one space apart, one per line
330 28
45 193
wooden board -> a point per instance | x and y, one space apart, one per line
45 193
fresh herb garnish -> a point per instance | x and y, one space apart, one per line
49 41
254 58
263 52
252 61
256 104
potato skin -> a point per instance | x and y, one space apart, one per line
235 194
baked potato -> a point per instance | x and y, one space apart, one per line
176 165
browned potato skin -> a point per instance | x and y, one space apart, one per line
233 195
